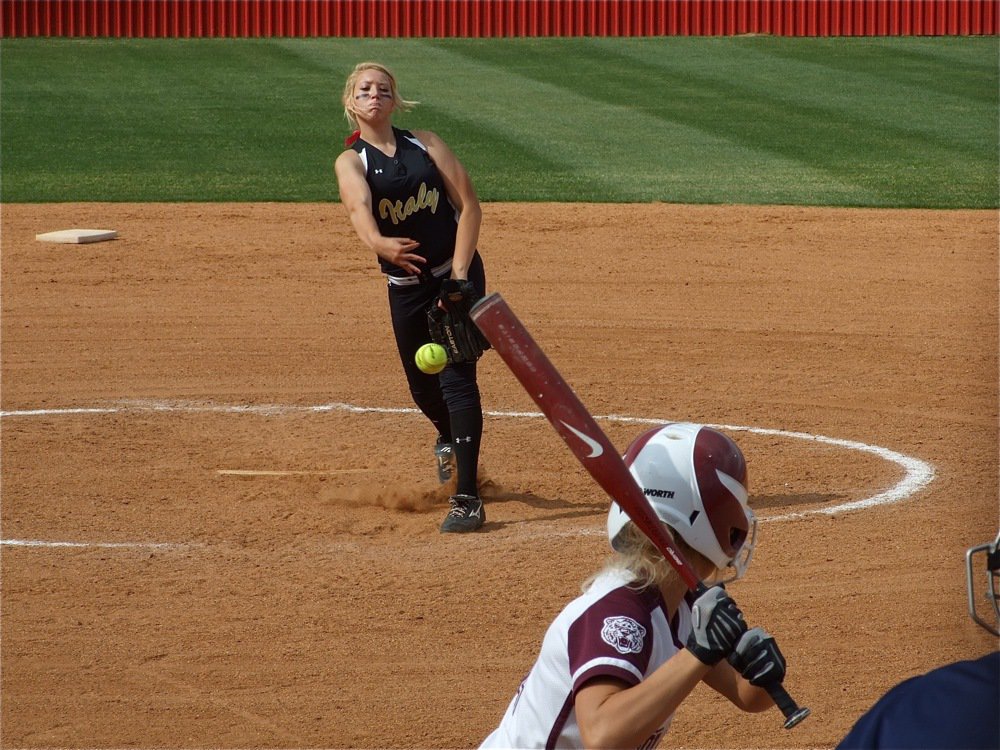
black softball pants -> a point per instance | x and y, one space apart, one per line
450 399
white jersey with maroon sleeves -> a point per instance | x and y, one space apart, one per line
611 630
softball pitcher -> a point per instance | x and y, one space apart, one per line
617 662
411 201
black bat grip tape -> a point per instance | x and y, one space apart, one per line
793 714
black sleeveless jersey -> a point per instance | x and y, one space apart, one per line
409 199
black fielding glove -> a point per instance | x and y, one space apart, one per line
716 626
452 327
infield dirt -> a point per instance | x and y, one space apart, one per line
319 606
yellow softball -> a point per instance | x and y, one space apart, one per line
431 358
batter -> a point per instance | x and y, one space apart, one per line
617 662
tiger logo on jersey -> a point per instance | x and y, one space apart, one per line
624 634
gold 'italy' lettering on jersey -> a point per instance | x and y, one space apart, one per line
398 211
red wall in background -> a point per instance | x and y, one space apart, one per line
493 18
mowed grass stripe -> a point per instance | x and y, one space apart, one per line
880 122
163 120
852 127
847 80
642 114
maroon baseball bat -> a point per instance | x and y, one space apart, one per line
592 448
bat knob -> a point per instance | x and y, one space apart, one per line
796 717
793 714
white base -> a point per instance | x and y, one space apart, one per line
77 236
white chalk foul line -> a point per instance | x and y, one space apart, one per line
918 473
94 545
59 412
264 410
285 472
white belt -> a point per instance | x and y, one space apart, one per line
436 272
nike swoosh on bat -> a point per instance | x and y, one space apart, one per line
595 447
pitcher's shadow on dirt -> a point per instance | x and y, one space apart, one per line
562 508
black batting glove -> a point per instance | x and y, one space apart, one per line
716 626
758 659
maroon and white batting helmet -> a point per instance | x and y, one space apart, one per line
695 479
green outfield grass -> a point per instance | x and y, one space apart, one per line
909 121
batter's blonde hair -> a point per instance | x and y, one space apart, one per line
398 102
636 555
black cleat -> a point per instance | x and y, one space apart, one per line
466 514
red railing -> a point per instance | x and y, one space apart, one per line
494 18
